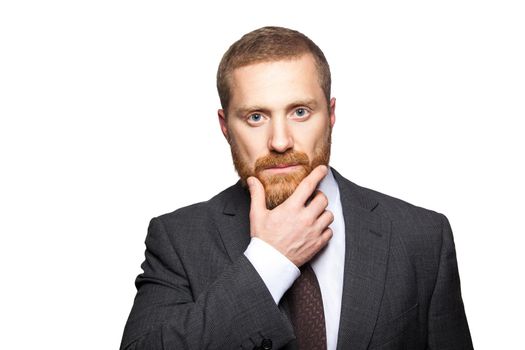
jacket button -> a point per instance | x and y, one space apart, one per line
266 344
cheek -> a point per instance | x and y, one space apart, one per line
250 145
309 137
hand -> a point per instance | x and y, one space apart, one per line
297 230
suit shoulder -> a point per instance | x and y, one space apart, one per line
399 210
198 212
418 230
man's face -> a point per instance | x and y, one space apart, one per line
278 124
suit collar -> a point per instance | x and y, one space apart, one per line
233 222
367 247
237 200
354 195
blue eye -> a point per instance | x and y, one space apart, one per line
255 117
301 112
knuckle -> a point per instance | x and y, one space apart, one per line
324 199
322 242
306 219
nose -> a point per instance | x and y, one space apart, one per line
281 138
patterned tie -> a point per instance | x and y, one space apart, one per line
306 310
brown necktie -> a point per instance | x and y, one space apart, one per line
306 311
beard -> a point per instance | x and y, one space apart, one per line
278 187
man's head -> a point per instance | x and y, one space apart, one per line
269 44
277 115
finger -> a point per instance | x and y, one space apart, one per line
318 204
257 195
308 185
325 236
324 220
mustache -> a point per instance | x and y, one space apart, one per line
275 159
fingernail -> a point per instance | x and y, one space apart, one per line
249 181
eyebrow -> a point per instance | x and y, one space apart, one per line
310 103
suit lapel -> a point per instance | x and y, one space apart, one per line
367 245
233 221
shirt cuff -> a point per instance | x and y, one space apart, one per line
277 272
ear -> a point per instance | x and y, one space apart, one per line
332 111
224 124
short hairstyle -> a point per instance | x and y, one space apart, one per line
269 44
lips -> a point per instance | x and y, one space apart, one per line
281 162
282 168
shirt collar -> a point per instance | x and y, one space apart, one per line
329 187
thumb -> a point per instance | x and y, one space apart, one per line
257 194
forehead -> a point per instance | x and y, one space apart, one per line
276 83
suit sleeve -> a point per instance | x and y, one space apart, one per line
448 328
235 311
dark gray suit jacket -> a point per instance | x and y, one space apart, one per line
198 291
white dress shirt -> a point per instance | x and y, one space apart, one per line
279 273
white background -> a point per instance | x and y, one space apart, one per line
108 118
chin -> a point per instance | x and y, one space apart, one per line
281 186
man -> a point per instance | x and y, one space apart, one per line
293 256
